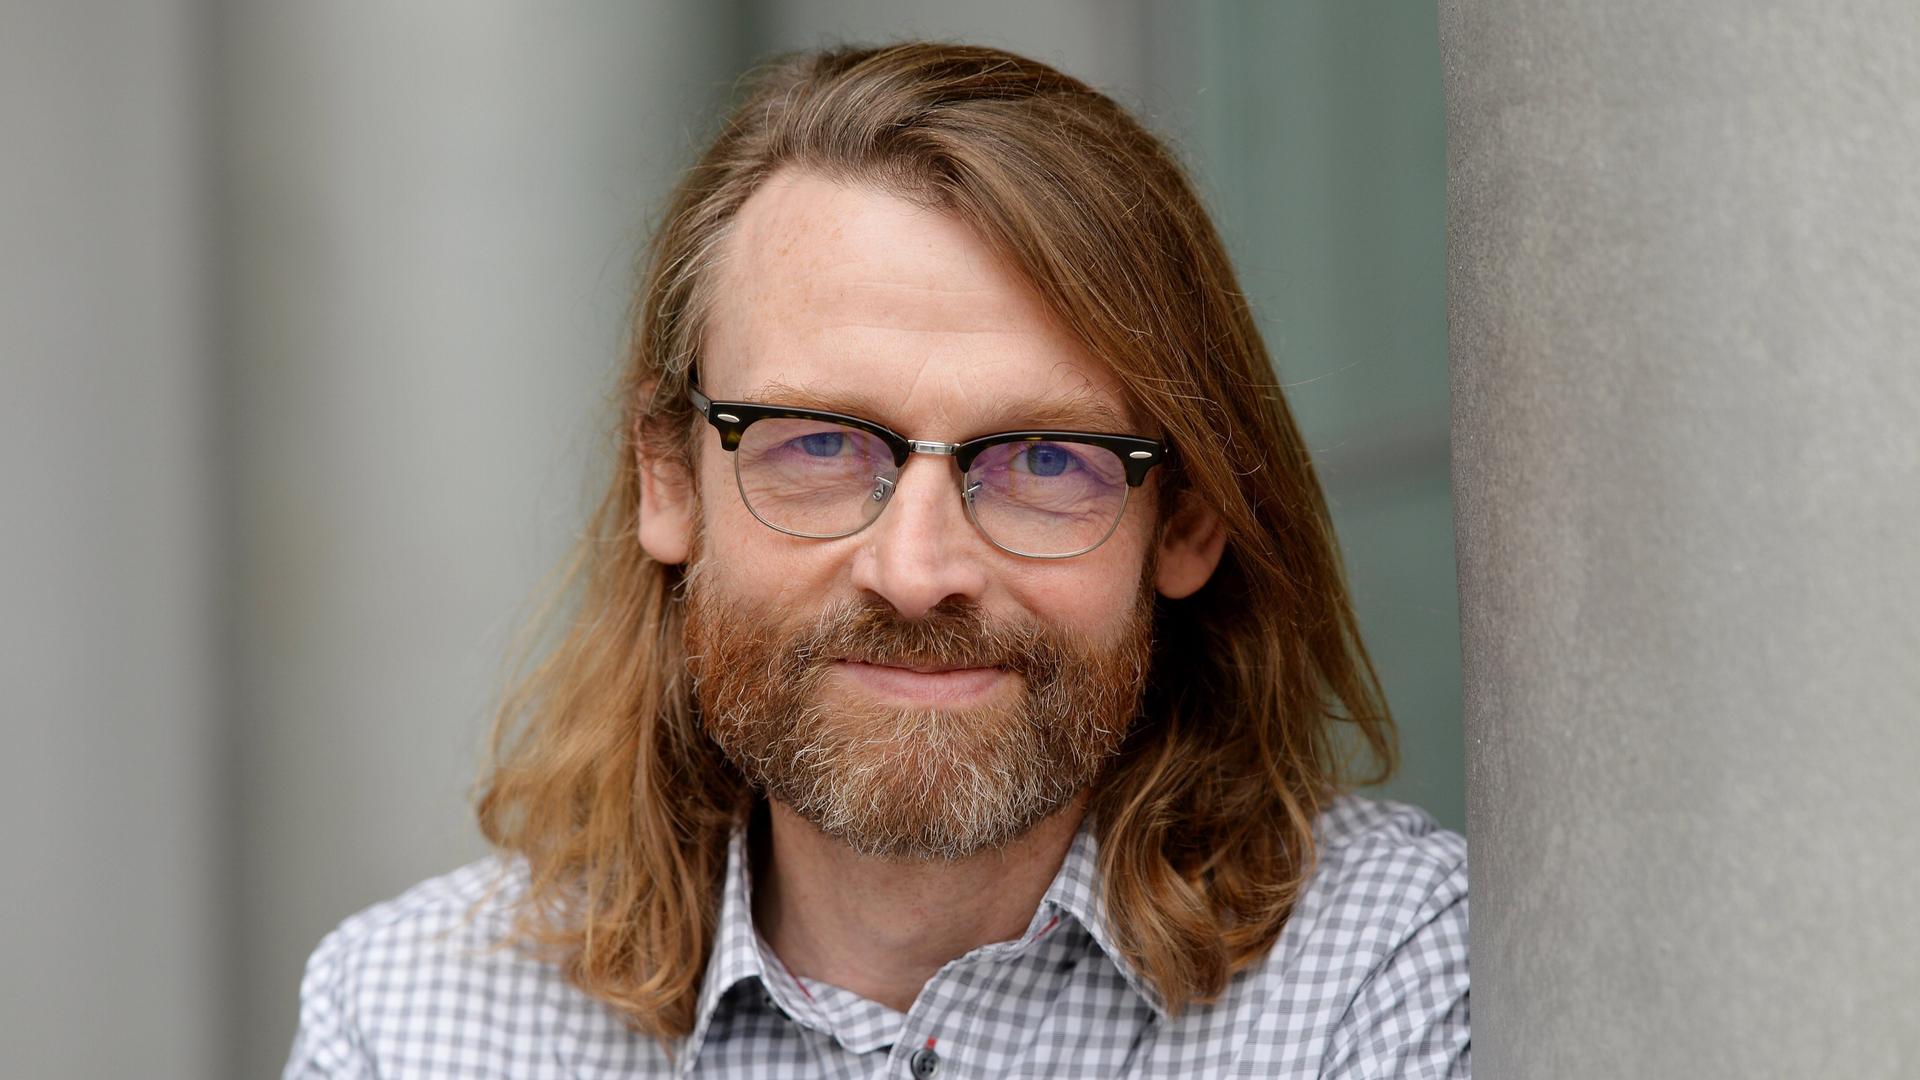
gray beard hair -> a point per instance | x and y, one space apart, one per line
923 784
915 783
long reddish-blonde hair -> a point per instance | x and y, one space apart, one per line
1261 697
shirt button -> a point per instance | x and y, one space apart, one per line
924 1064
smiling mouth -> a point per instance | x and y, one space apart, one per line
916 666
922 681
925 669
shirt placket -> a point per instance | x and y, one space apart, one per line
942 1036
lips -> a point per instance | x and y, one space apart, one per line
913 666
922 683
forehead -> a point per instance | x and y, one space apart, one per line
843 296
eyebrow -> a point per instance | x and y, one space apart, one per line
1082 412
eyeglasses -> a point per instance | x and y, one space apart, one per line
824 475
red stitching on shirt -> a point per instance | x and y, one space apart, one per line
1049 926
795 978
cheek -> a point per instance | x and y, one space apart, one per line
728 523
718 498
1096 591
752 565
724 511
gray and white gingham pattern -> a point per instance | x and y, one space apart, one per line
1369 979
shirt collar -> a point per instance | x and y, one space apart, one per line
741 955
737 950
1077 891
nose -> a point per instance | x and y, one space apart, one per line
922 549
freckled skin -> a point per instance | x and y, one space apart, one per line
831 287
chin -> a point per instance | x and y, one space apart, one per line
923 784
931 839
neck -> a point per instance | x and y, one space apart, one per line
882 927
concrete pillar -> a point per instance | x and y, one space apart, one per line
112 950
431 212
1684 297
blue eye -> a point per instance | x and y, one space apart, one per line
822 443
1046 459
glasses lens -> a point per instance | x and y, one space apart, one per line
812 477
1047 497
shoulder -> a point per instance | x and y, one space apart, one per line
1395 892
465 903
429 980
1388 860
361 979
1384 874
1369 977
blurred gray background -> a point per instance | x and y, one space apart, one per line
307 315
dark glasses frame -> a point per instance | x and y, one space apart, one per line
731 419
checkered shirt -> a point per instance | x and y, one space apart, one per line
1369 979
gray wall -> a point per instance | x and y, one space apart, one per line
111 790
1684 285
431 213
309 311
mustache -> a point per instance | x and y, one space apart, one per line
954 633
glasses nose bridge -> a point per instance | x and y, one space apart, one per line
920 446
927 446
887 492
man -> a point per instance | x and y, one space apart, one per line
961 678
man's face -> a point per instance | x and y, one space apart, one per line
910 689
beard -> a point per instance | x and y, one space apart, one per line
913 782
